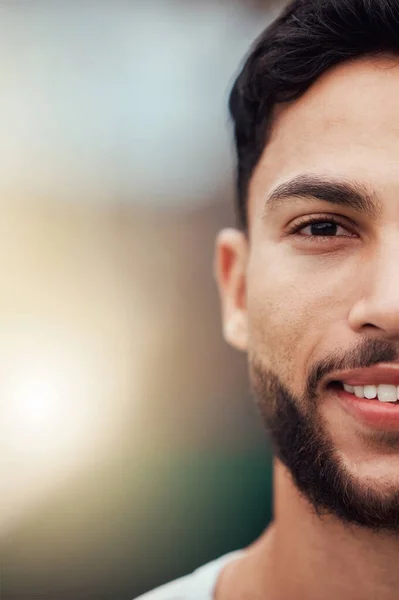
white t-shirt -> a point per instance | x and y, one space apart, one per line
199 585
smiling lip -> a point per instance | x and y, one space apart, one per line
382 416
378 374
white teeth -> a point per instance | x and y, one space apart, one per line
370 391
387 393
384 392
359 391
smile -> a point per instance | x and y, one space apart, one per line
380 410
384 392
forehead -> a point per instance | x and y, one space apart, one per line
345 125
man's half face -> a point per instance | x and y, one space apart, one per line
314 294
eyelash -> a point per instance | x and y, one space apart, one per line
306 221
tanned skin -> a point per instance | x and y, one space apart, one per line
290 302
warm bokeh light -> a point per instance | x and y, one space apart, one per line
68 379
124 415
47 403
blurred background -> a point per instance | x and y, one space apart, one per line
130 447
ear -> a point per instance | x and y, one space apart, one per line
230 265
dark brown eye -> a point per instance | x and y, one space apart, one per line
317 227
324 228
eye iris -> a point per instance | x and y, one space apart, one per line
324 228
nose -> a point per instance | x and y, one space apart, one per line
378 307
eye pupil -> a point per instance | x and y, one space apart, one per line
324 228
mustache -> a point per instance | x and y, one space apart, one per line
367 353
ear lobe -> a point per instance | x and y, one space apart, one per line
235 331
230 264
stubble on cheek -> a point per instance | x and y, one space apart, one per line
276 338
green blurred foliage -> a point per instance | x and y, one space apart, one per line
124 529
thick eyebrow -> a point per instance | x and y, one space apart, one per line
350 194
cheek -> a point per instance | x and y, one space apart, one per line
277 322
287 313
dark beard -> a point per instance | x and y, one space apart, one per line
302 443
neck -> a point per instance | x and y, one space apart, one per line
302 556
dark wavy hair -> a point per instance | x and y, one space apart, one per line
309 37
